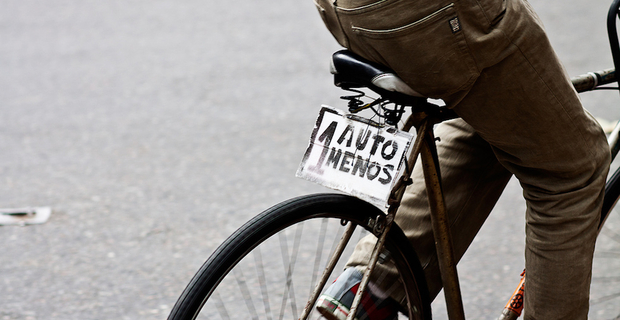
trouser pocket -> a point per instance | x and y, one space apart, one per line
328 14
494 10
429 52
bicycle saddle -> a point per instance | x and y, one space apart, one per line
352 71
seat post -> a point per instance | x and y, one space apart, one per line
441 228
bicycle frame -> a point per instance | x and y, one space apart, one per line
425 148
612 32
425 143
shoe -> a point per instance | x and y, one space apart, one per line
335 303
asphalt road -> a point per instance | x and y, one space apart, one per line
154 129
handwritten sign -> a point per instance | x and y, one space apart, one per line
355 155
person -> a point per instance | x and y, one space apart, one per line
492 63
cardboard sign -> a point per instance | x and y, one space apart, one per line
355 155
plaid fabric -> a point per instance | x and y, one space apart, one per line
336 302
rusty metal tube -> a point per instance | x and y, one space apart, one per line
591 80
441 230
344 240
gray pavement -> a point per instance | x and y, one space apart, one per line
156 128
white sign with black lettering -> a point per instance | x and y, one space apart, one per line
355 155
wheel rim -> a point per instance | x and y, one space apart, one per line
276 277
605 287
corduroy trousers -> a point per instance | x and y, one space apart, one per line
491 61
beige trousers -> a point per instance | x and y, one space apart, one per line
491 61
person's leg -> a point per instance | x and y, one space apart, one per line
527 109
473 181
539 131
423 41
523 105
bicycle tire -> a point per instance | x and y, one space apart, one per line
605 287
281 219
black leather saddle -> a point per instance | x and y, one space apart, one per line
352 71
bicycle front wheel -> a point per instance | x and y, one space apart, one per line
269 267
605 287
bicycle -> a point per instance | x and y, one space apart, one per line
243 271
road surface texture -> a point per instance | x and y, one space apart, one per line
154 129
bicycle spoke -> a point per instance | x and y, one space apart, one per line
252 270
289 267
317 258
335 242
245 292
608 254
221 308
605 298
611 234
605 279
284 250
263 283
605 295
